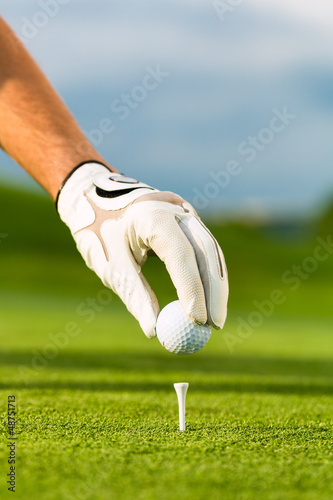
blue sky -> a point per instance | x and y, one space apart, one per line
223 71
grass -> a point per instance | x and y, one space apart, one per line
99 420
97 414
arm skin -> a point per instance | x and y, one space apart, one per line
36 128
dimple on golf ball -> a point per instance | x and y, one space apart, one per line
177 333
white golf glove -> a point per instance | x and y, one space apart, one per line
115 221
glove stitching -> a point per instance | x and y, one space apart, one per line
96 226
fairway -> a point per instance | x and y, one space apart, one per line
97 414
100 419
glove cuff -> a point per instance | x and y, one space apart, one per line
93 183
93 163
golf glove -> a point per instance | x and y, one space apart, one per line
116 220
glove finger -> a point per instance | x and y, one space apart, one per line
212 269
121 273
132 287
159 230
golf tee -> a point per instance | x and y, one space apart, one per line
181 389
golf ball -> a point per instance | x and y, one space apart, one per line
177 333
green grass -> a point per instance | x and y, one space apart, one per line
99 420
97 414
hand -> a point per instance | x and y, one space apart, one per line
115 221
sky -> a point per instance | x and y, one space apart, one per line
228 103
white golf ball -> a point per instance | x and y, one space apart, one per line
177 333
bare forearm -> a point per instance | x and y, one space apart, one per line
36 128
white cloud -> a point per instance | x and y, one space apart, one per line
319 12
84 43
225 78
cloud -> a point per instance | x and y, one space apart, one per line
225 79
318 13
92 40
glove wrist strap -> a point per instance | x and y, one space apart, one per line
69 175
